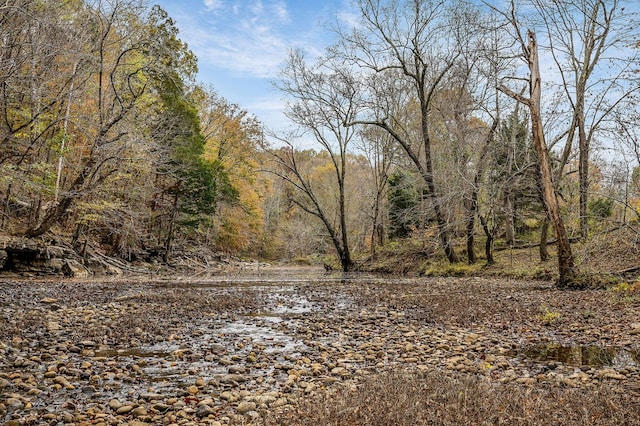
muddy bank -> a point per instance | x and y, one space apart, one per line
234 347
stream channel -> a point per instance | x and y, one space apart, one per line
165 343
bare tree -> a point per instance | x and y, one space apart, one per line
566 268
323 99
122 56
408 42
589 42
379 149
35 85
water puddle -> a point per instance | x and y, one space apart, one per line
273 276
592 356
272 339
155 351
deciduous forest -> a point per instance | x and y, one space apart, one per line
456 128
406 252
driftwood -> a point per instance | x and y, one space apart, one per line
631 270
113 262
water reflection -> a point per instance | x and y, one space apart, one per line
593 356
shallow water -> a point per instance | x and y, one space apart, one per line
592 356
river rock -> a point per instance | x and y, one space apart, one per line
236 369
139 412
125 409
161 407
204 411
230 396
246 406
14 402
230 378
151 396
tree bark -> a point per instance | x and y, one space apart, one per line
544 237
345 257
566 267
488 245
473 208
443 230
583 171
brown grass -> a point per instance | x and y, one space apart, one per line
438 398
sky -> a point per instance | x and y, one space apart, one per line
241 44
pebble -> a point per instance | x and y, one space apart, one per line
204 411
151 396
124 409
236 369
246 406
205 375
114 404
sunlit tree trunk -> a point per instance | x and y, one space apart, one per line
566 268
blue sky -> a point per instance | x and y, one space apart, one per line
241 44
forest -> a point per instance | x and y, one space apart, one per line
457 126
457 166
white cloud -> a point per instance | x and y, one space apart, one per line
279 9
251 38
349 18
248 37
213 4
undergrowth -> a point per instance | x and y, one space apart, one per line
440 398
599 260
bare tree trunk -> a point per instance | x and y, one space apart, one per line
377 230
443 229
471 254
473 208
488 245
566 268
544 237
345 257
509 226
583 171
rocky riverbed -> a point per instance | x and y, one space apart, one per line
242 345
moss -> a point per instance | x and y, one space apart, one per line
547 316
459 269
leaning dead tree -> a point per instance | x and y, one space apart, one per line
566 266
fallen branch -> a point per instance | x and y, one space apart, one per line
633 269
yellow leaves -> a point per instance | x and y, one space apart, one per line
242 223
231 141
547 316
92 212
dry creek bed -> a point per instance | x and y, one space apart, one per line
231 348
